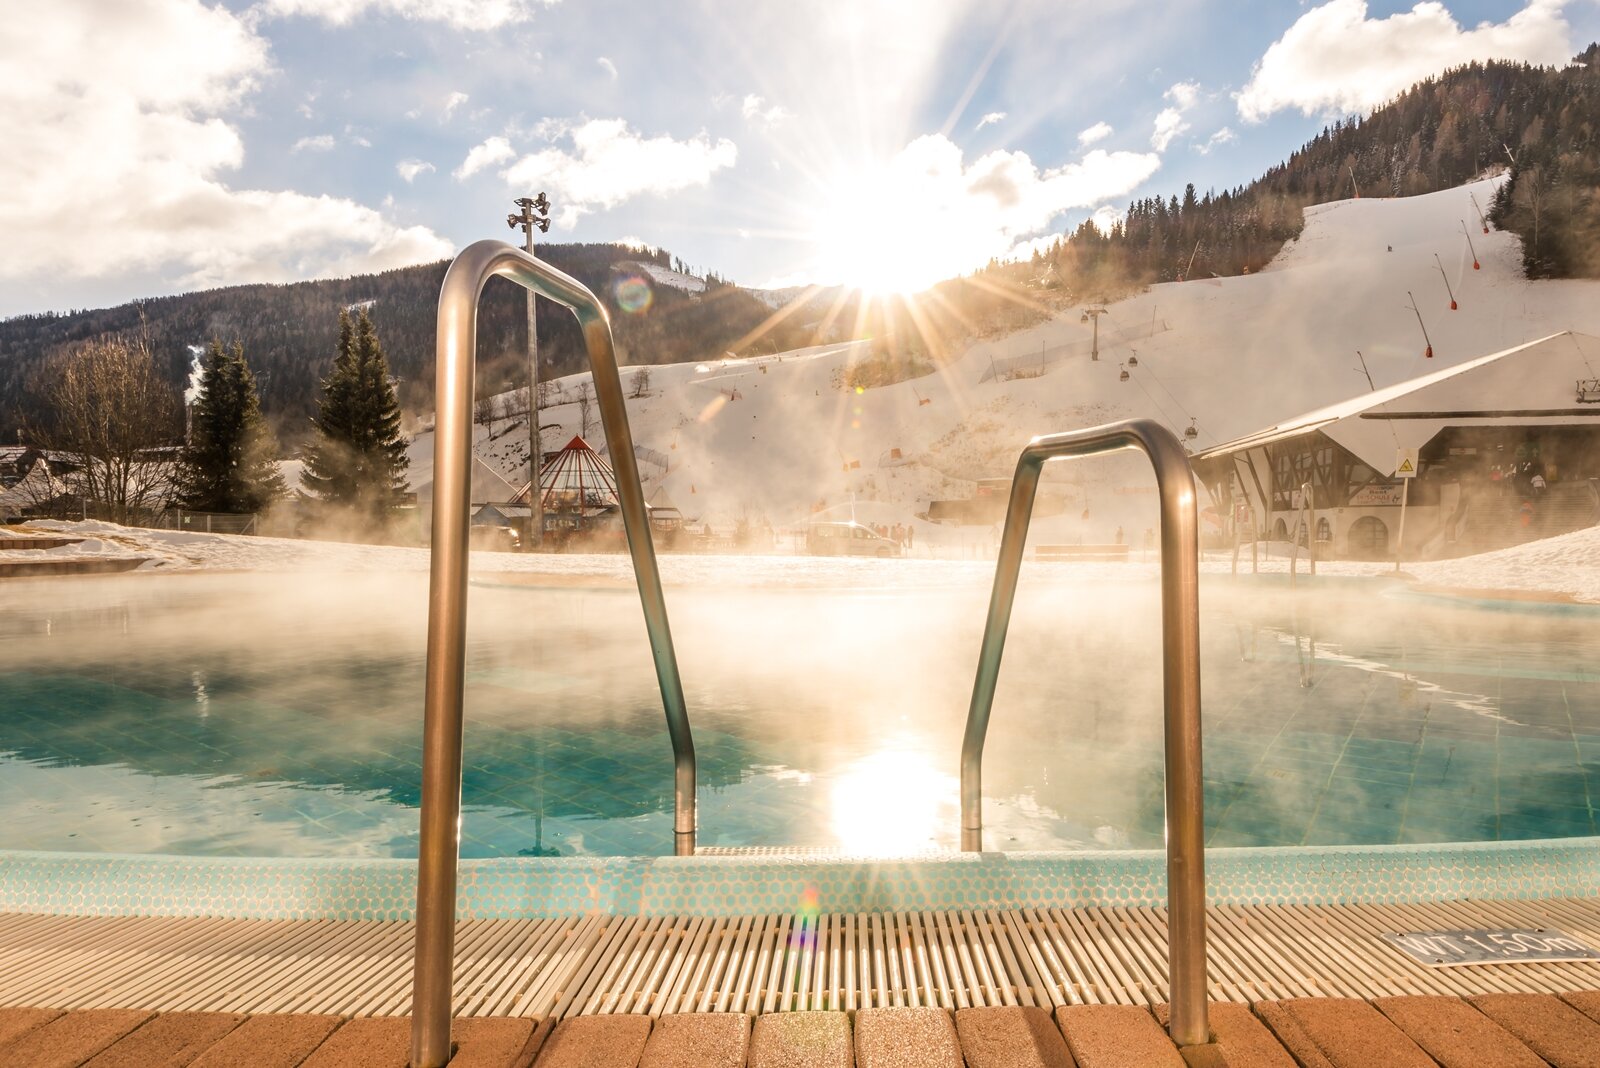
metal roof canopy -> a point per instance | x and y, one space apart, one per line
1531 384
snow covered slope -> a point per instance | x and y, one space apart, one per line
778 436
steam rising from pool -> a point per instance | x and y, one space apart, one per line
281 715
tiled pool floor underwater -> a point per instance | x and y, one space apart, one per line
1480 752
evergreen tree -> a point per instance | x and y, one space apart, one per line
229 464
357 461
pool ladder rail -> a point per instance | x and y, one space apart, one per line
1180 639
440 847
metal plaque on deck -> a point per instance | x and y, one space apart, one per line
1483 945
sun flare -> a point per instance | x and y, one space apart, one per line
893 802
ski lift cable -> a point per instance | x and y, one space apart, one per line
1145 364
1176 429
1581 354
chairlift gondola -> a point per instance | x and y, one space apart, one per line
1191 431
1123 376
1133 361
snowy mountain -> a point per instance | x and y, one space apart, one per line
779 436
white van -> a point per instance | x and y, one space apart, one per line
847 539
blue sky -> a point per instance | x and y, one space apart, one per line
166 145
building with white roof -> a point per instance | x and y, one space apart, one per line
1506 449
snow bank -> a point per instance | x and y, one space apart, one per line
1568 565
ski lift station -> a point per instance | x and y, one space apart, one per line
1498 450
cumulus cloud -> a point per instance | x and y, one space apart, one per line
492 153
140 133
410 168
1223 136
990 119
758 114
608 164
453 101
1336 60
932 214
608 66
1170 122
1098 132
319 143
461 14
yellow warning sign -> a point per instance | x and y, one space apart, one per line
1406 467
1406 464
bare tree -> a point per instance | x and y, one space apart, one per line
641 381
108 409
483 410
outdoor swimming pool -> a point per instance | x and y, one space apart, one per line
276 715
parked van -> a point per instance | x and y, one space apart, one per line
847 539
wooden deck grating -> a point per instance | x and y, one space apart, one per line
653 966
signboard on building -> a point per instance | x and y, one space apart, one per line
1374 496
1405 464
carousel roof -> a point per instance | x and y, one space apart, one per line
576 479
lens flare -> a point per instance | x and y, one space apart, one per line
803 935
633 293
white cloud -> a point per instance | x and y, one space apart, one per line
1224 136
757 114
1335 59
461 14
410 168
453 101
990 119
929 215
492 153
1105 217
608 66
609 164
1170 122
1184 95
319 143
140 133
1098 132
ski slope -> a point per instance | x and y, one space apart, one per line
777 438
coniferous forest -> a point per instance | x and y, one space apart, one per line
1538 122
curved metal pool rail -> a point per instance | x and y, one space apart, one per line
439 849
1180 631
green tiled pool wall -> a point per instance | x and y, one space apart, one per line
516 888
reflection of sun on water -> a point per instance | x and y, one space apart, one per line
895 801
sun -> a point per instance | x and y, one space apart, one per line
874 233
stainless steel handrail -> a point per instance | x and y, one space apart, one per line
1180 632
439 849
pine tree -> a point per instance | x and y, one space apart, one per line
357 463
229 464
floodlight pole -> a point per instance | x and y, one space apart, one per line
535 214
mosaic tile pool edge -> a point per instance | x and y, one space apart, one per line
515 888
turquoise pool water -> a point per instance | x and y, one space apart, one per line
278 716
